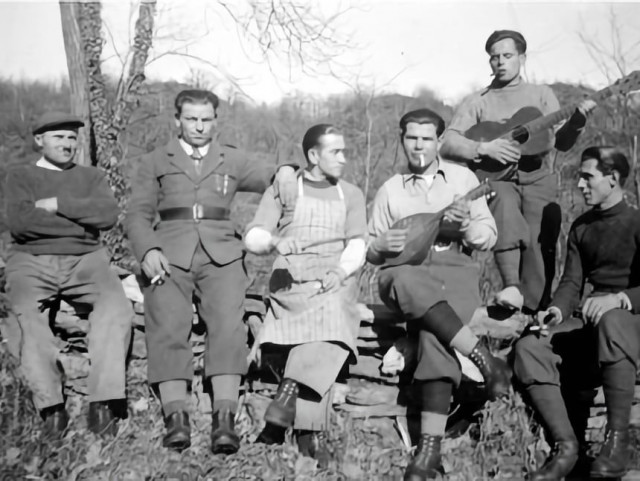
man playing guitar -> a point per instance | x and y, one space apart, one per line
526 214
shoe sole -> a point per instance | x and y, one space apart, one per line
611 476
177 446
225 449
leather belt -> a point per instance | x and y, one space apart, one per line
196 213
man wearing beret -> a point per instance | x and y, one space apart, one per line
192 253
56 210
524 208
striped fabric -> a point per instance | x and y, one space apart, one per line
300 312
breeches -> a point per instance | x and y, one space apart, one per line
529 218
218 292
573 352
83 279
411 291
316 366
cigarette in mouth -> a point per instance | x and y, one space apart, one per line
421 161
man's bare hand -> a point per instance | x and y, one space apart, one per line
392 241
286 245
595 307
155 264
459 210
49 204
286 184
333 280
502 150
546 319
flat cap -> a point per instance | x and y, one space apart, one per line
54 120
498 35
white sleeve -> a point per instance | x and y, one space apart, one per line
353 256
258 240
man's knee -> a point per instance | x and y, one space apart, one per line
614 324
530 351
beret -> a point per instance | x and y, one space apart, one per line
501 35
52 119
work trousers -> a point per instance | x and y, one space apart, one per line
315 365
450 276
32 282
218 292
529 218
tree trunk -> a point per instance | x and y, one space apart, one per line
70 14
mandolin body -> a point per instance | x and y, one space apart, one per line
422 231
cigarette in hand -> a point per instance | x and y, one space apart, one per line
159 279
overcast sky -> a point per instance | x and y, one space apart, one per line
395 45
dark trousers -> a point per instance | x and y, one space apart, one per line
218 292
529 218
411 291
83 279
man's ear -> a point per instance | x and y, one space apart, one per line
614 178
313 156
177 120
38 140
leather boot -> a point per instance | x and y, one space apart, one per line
271 434
614 456
496 372
55 420
314 444
282 410
427 460
101 420
178 436
224 439
561 461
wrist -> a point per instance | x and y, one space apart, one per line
481 150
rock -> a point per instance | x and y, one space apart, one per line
367 393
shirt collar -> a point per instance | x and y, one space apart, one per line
442 167
188 148
45 164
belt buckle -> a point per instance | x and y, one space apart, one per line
198 212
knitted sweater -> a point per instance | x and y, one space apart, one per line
86 205
603 248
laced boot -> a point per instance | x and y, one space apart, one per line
562 459
271 434
178 431
282 410
101 419
55 423
427 460
315 445
614 456
496 372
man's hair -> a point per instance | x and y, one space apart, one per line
422 116
609 159
195 96
517 37
312 138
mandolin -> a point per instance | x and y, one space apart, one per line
424 228
533 131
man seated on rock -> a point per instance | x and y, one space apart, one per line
439 296
320 244
562 365
56 210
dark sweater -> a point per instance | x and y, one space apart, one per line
604 249
86 205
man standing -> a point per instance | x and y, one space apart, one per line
524 208
193 253
603 249
55 212
438 297
320 242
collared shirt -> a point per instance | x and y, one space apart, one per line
189 149
45 164
408 194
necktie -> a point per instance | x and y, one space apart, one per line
197 160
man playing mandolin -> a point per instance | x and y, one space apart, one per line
438 296
524 208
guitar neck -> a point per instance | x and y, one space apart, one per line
473 194
549 120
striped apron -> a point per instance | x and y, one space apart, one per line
299 311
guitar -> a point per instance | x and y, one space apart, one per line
532 130
423 229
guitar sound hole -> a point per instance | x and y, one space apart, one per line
520 135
